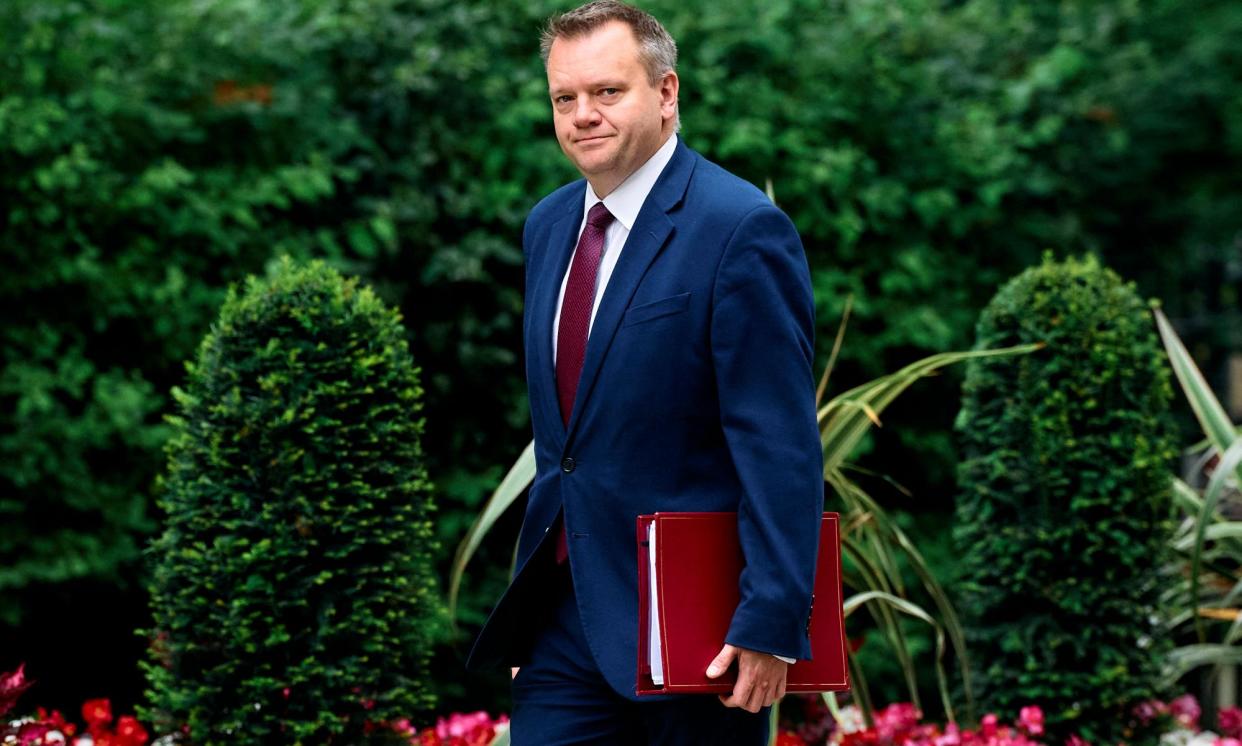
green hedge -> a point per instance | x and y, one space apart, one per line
153 151
1064 512
292 580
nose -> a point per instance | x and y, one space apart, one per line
586 114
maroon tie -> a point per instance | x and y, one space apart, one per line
571 336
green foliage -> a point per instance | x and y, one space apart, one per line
296 547
1208 545
927 150
153 151
1063 516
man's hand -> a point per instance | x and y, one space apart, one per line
760 678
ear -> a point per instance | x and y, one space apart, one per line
668 95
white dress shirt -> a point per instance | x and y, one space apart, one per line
624 203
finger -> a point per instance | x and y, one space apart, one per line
780 689
764 693
722 661
772 696
744 691
741 691
729 700
758 694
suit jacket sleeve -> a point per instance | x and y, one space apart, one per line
762 332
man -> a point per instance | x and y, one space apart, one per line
668 333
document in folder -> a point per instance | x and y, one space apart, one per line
689 565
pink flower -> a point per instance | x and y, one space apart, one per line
1227 742
1032 720
11 687
31 732
1230 721
1076 740
1186 710
894 722
1149 710
951 736
463 729
404 727
987 726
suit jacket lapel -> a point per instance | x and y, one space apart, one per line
651 231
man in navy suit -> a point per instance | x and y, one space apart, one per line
668 332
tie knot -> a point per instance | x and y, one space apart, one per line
599 217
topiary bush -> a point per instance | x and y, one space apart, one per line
1063 515
292 594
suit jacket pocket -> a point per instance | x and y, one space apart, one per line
657 308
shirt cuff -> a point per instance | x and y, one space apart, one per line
790 661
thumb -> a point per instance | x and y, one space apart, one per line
722 660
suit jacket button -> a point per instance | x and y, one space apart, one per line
567 465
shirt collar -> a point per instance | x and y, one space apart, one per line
626 200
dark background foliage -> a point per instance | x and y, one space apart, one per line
153 152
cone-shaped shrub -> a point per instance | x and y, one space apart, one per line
292 590
1063 515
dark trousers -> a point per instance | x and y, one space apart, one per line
560 697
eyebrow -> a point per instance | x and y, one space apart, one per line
593 86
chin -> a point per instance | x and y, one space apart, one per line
595 162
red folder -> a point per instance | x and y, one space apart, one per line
697 566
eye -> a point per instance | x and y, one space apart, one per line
564 98
610 91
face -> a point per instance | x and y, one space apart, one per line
609 118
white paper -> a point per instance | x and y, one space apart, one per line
653 616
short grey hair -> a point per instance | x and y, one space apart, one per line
656 49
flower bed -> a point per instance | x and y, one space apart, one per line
896 725
900 725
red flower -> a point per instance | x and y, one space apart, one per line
866 737
57 721
1230 721
789 738
96 713
130 731
32 732
428 738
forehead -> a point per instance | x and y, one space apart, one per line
610 51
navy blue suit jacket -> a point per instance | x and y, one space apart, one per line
697 394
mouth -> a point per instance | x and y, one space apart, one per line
597 138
